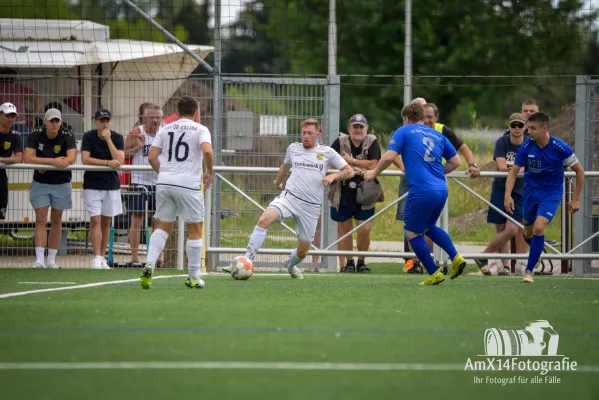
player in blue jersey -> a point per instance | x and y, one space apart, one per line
422 150
543 157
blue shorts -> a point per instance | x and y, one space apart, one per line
136 203
345 213
540 206
43 195
497 197
423 209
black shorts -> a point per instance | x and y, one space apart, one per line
3 198
136 203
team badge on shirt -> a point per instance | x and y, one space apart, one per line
56 149
6 145
320 156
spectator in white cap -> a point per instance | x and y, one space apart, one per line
50 145
11 150
361 151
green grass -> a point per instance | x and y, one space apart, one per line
384 317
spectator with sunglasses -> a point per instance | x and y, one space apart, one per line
504 155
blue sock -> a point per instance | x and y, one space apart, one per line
442 239
423 253
537 244
527 240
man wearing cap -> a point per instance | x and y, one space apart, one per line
361 151
504 155
50 144
102 189
11 150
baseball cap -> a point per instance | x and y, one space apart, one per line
102 113
52 113
358 119
517 117
8 108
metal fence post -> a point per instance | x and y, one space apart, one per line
582 150
332 114
217 145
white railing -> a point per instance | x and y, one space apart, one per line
326 251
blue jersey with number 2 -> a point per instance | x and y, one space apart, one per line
422 150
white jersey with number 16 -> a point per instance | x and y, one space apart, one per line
181 157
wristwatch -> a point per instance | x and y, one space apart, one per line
473 165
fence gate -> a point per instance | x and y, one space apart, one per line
260 117
586 221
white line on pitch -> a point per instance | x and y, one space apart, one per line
87 285
47 283
248 365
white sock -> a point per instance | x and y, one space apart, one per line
52 256
39 254
157 243
294 260
194 257
256 241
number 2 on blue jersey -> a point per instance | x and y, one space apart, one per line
430 146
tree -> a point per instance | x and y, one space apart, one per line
248 48
451 40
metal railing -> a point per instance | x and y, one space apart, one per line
326 251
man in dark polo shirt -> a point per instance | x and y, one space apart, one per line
11 150
50 144
102 189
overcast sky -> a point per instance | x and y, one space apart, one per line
230 8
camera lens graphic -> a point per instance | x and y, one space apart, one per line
501 342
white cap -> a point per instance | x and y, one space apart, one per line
8 108
52 113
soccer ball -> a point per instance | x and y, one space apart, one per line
242 268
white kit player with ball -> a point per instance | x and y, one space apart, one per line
177 154
302 197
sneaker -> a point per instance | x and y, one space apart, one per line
146 277
52 266
408 265
38 265
105 264
457 266
97 263
505 272
295 273
361 267
226 269
194 283
527 277
482 265
350 266
416 268
433 279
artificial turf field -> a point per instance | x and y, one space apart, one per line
329 336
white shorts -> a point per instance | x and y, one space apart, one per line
106 203
305 215
172 201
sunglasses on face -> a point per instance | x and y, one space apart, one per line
11 115
517 125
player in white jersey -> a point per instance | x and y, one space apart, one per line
302 197
137 148
177 155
